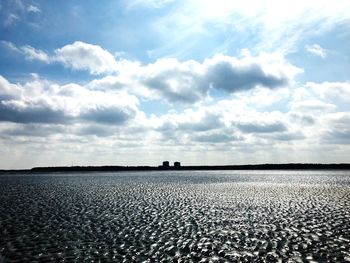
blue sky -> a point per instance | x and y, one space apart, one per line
203 82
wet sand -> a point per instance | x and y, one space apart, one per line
184 216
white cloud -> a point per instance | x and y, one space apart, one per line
72 117
33 9
317 50
190 81
83 56
40 101
313 105
77 56
29 52
266 70
8 90
335 129
337 93
176 81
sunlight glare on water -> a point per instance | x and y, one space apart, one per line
218 216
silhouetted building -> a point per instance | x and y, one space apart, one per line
165 164
177 164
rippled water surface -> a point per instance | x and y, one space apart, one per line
214 216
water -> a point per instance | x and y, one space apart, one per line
187 216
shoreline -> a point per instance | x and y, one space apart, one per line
288 166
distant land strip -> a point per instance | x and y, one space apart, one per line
288 166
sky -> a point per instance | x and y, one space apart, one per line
136 82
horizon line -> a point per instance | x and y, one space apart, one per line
261 166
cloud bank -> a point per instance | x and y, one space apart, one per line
223 104
74 118
40 101
168 78
190 81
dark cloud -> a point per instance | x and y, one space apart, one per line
225 76
108 115
4 97
38 102
34 130
262 127
190 81
215 138
302 119
41 114
289 136
31 114
338 130
337 137
188 88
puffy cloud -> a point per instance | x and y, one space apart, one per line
83 56
190 81
109 115
40 101
336 129
173 80
322 110
72 116
317 50
186 82
232 74
176 81
222 123
330 91
315 98
17 111
77 56
8 90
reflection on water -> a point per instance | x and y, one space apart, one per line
183 216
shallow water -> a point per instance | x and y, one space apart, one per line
187 216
